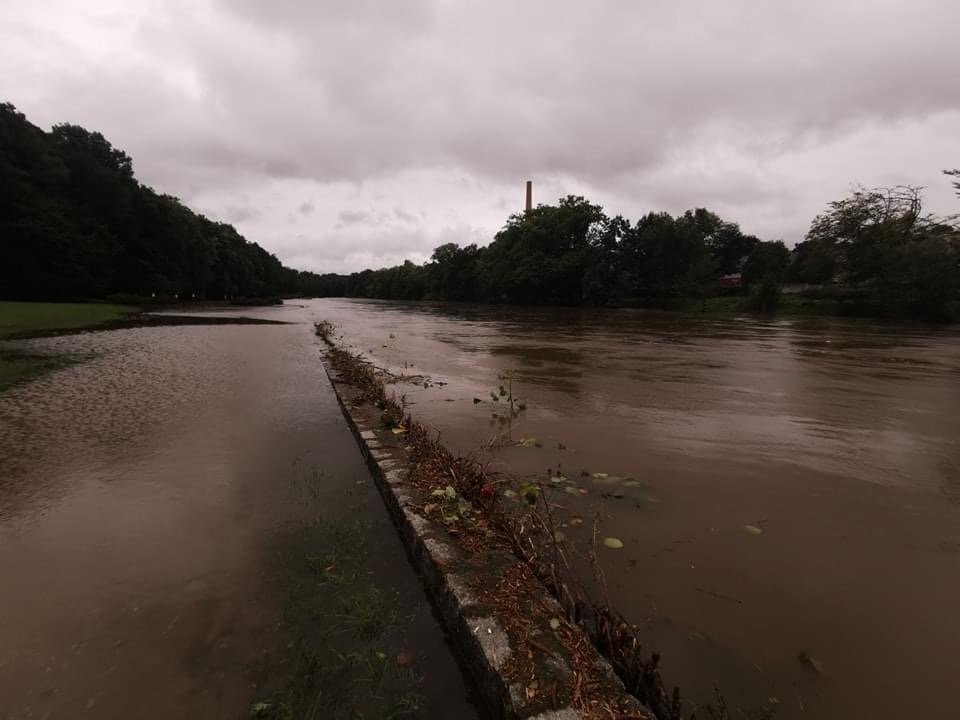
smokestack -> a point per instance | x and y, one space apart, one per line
529 195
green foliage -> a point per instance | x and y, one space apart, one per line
767 259
765 295
75 223
881 242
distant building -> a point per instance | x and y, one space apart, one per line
734 280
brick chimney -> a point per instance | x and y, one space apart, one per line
529 194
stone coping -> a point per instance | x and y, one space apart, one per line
449 574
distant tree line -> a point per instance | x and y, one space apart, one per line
876 249
76 224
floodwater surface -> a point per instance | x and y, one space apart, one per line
787 491
144 493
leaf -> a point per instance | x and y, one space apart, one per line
753 529
439 492
450 492
571 490
528 442
554 623
583 491
559 479
632 483
399 430
509 493
613 543
600 476
429 508
575 520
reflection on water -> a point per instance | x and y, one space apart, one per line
142 492
839 440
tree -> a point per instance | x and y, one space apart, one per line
956 183
768 259
882 242
75 223
541 256
860 230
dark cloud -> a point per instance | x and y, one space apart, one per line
430 114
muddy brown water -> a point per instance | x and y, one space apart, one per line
838 440
143 494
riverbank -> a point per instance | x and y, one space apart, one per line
18 319
26 320
29 319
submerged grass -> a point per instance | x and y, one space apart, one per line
349 656
21 367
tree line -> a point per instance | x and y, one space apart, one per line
876 250
76 224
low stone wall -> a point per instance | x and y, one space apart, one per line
458 584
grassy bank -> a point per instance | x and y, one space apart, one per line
23 318
34 318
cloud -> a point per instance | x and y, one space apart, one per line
430 114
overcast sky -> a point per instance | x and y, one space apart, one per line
341 135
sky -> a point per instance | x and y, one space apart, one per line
349 134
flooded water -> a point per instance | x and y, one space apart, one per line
793 529
143 493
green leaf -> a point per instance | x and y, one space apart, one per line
613 543
450 492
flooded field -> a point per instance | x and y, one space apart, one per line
148 494
787 491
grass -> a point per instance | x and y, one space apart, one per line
28 319
350 654
21 367
32 318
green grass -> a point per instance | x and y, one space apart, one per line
18 367
348 631
34 318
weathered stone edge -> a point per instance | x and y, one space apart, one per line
480 641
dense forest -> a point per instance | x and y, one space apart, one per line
874 253
76 224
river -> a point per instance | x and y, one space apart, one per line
145 492
792 526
